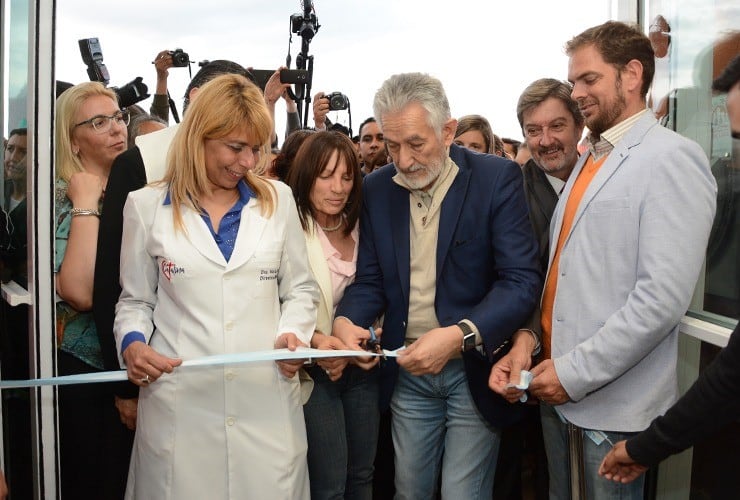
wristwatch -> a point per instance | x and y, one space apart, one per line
468 342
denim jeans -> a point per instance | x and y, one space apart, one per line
342 430
555 433
436 426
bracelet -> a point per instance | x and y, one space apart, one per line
84 211
538 344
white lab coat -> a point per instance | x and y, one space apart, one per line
229 432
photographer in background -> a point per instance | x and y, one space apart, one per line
273 91
160 100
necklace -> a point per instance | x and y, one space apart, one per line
334 228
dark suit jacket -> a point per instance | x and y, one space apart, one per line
541 200
487 269
710 404
127 174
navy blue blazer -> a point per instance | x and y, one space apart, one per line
487 266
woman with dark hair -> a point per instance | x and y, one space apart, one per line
342 412
282 162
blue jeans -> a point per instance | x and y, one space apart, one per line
555 433
342 431
437 426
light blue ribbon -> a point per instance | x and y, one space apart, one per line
217 360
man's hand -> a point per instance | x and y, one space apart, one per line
432 351
354 337
289 367
320 110
127 410
618 466
508 369
334 367
145 365
162 63
546 385
274 89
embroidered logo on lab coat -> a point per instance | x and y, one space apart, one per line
169 268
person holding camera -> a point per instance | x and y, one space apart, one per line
275 90
160 100
323 103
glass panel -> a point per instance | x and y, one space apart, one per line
694 40
14 357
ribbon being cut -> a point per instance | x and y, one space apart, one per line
206 361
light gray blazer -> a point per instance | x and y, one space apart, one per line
627 273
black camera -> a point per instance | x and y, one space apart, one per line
92 55
180 59
337 101
304 25
131 93
294 76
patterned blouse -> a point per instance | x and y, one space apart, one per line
76 332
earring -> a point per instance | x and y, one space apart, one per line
76 152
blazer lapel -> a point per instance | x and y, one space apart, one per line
450 213
612 163
320 270
200 236
618 155
399 201
251 228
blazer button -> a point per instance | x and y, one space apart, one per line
230 421
403 324
229 375
229 326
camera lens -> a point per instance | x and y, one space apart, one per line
180 58
337 101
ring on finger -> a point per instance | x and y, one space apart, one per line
145 379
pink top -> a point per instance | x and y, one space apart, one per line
342 272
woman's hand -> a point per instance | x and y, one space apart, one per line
85 190
334 367
289 367
145 365
127 410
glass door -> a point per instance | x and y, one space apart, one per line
26 309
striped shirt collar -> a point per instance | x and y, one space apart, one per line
610 138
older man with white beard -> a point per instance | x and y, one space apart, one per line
447 254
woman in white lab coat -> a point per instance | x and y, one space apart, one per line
213 261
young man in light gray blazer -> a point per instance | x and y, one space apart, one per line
628 239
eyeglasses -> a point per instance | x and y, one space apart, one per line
102 123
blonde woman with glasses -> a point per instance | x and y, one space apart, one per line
90 133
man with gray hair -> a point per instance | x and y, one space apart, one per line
447 255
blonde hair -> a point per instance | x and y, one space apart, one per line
68 163
227 103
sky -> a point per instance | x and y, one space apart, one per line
484 52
